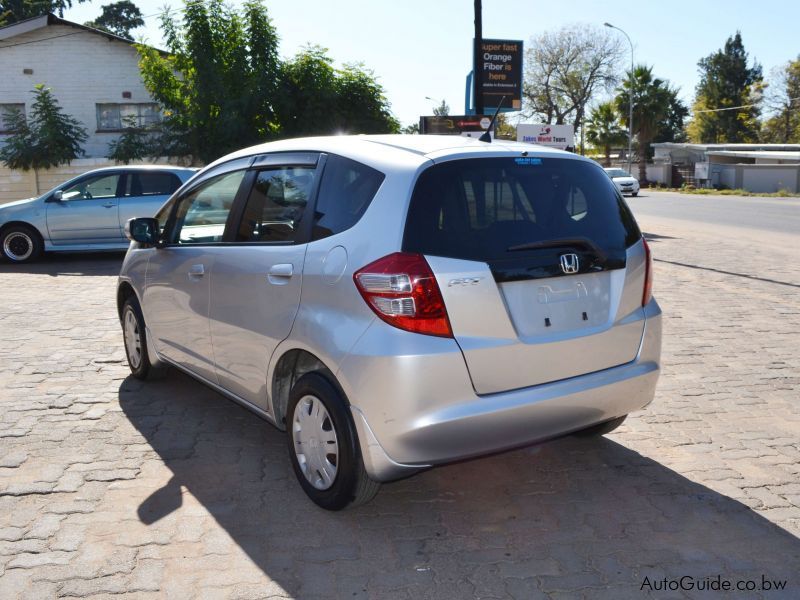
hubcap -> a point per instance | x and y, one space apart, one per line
18 246
315 442
133 343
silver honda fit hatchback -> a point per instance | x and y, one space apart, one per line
398 302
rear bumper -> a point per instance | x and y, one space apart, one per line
417 409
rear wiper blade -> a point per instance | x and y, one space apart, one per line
555 243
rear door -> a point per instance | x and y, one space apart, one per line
255 287
144 192
540 264
87 213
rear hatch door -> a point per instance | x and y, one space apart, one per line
540 264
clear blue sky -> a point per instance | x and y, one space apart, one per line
422 48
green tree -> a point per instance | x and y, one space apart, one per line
119 18
219 84
319 99
12 11
783 103
411 129
49 138
603 130
653 101
442 110
726 82
134 144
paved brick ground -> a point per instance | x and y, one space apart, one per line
109 486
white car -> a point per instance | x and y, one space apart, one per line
625 182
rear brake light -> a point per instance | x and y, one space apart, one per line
648 274
401 289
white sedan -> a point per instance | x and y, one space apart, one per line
625 182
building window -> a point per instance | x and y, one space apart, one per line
115 117
5 110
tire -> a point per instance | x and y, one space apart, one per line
601 428
634 194
21 244
319 418
134 337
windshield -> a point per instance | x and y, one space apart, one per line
617 173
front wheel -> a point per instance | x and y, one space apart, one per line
634 194
135 336
323 446
21 244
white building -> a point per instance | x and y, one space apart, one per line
752 167
93 74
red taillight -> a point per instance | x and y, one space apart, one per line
648 274
402 290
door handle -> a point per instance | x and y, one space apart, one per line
109 205
280 274
196 271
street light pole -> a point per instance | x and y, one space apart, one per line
630 100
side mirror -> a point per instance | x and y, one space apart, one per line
58 196
143 230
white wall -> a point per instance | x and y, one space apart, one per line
82 68
760 179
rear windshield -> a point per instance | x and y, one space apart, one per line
485 209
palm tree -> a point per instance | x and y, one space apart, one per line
652 98
603 130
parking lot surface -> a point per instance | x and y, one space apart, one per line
166 490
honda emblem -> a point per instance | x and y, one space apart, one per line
569 263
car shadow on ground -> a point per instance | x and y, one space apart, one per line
69 264
567 515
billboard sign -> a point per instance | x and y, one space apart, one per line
555 136
454 124
500 72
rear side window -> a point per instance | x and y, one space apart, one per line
491 210
346 190
156 183
276 205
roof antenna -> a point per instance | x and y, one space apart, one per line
487 136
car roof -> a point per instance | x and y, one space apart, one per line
395 150
170 168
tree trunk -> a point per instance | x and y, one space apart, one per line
642 164
36 179
607 160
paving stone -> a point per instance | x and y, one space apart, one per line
109 485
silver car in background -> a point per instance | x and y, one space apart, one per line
87 212
398 302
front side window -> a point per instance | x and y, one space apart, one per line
154 183
99 186
202 214
276 205
115 117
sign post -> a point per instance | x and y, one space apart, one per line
498 74
554 136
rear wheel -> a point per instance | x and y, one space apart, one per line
602 428
135 336
21 244
323 446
